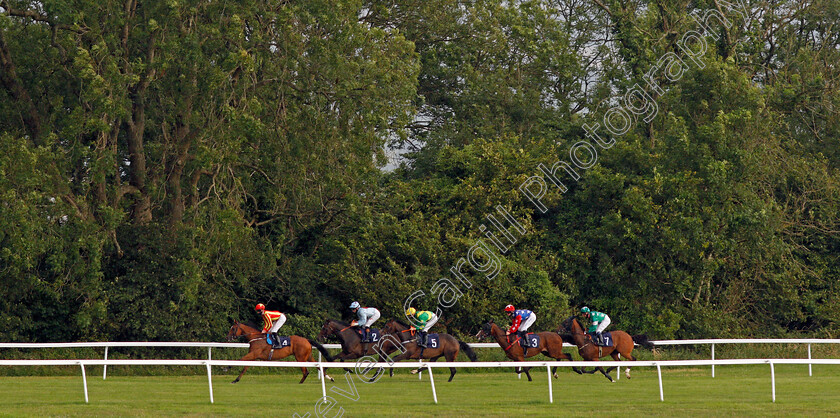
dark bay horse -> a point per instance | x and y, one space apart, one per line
351 343
551 345
448 347
623 344
300 347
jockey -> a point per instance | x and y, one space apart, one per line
272 321
424 321
598 322
522 320
365 318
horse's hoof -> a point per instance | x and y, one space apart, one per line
233 382
555 375
414 372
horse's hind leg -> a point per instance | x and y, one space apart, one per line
627 356
305 373
525 369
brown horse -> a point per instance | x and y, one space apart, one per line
551 345
261 350
351 342
448 346
623 345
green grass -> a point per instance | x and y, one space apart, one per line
737 390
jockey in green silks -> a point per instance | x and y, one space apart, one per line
598 322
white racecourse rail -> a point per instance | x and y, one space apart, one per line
211 345
322 365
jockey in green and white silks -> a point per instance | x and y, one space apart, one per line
365 317
422 321
598 322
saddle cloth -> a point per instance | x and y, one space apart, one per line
531 340
432 340
280 343
374 334
607 340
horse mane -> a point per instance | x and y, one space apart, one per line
342 323
400 322
251 324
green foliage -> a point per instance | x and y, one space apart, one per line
165 166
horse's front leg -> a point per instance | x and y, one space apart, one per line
248 357
341 357
606 373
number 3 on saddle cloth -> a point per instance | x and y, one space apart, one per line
280 343
530 341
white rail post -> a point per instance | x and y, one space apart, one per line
209 381
320 372
773 380
105 366
420 373
84 381
713 357
809 358
618 369
550 391
661 393
323 383
209 353
432 379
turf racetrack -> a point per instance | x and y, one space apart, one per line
737 390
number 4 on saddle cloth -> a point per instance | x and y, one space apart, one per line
280 343
530 341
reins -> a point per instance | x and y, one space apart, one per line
511 344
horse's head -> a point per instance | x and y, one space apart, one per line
390 327
326 331
235 331
486 330
570 325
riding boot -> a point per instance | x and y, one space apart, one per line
361 330
274 340
597 339
421 339
365 335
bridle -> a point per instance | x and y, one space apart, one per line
242 333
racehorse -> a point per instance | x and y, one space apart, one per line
351 342
623 344
551 345
448 346
261 350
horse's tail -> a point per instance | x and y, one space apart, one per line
642 340
468 350
322 349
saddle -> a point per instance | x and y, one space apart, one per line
606 339
530 340
431 341
374 335
280 342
